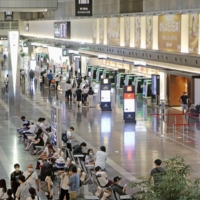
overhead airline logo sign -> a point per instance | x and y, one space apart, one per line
83 8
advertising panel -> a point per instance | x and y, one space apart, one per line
101 31
113 31
169 33
94 31
53 126
193 33
83 7
127 31
62 30
137 32
129 102
149 32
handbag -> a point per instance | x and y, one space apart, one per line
44 186
73 195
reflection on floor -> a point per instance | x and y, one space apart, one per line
131 148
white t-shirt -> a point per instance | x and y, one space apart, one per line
3 196
32 179
31 129
69 134
101 158
102 180
64 181
42 126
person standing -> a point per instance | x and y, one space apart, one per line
78 96
31 177
74 183
57 79
14 184
68 91
49 182
90 96
69 138
100 158
64 188
184 100
6 81
157 172
50 77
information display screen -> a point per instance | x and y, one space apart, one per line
105 96
62 30
129 102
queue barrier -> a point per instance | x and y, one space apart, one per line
180 128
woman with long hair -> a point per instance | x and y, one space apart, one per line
3 189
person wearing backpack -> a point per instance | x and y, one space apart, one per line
78 96
33 194
23 190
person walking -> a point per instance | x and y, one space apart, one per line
6 81
90 97
50 77
185 100
14 184
57 79
68 91
31 75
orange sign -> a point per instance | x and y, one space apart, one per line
193 33
169 33
129 96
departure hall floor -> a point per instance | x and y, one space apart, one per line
131 148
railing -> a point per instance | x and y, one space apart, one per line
182 129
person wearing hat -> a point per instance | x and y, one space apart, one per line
116 187
64 176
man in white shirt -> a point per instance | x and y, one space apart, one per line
31 177
69 138
30 131
100 158
102 177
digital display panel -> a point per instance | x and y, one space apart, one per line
105 96
62 30
129 102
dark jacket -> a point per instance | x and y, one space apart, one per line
44 168
118 189
77 150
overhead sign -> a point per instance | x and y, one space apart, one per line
8 16
83 8
62 30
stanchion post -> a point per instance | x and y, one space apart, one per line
195 126
173 132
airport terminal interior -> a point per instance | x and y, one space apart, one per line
117 78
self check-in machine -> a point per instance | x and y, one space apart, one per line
105 93
111 74
94 72
129 79
129 104
147 93
121 80
89 71
138 83
99 74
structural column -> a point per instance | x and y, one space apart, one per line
14 73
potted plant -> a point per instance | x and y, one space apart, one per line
175 184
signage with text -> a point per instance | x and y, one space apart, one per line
62 30
169 32
8 16
83 7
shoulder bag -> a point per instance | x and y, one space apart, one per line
29 176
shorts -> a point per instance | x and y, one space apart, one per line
184 107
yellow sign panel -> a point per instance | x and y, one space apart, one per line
149 32
113 31
193 33
169 33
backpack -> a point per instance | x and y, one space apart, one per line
64 137
25 191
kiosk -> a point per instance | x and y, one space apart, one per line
105 89
129 104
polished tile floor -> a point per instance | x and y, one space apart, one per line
131 148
